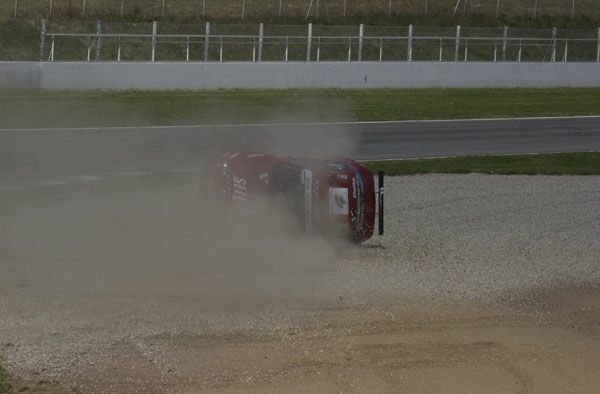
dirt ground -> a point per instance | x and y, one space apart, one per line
548 341
481 284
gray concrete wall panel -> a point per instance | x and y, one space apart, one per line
196 76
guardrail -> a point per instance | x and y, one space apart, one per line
209 47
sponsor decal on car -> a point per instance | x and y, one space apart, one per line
338 201
240 189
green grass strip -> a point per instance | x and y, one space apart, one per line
3 385
27 109
587 163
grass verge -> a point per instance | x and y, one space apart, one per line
3 384
24 109
587 163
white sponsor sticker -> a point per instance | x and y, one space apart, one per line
307 180
338 201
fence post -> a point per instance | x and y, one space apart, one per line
572 9
566 56
390 8
89 49
380 49
286 49
504 42
598 48
410 42
280 7
497 8
43 39
16 8
553 57
457 43
98 39
243 9
466 48
495 51
83 8
154 28
52 49
221 49
361 33
261 32
203 8
345 6
441 48
162 10
122 7
187 48
318 48
119 50
535 6
520 49
425 7
207 41
349 49
309 42
51 6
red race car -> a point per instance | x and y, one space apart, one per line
334 195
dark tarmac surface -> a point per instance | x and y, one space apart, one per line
47 155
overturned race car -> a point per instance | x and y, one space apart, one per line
329 196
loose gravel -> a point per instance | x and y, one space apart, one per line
475 237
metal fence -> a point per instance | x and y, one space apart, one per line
257 9
323 43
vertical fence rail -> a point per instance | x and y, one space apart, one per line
457 43
598 48
361 33
43 39
187 49
52 49
553 56
154 28
98 39
207 41
309 42
504 42
89 48
261 33
220 49
318 48
410 43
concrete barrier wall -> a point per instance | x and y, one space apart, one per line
175 75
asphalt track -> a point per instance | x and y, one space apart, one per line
52 156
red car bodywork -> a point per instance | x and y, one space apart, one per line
334 195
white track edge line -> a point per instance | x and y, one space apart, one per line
340 123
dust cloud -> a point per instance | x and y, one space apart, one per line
158 233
